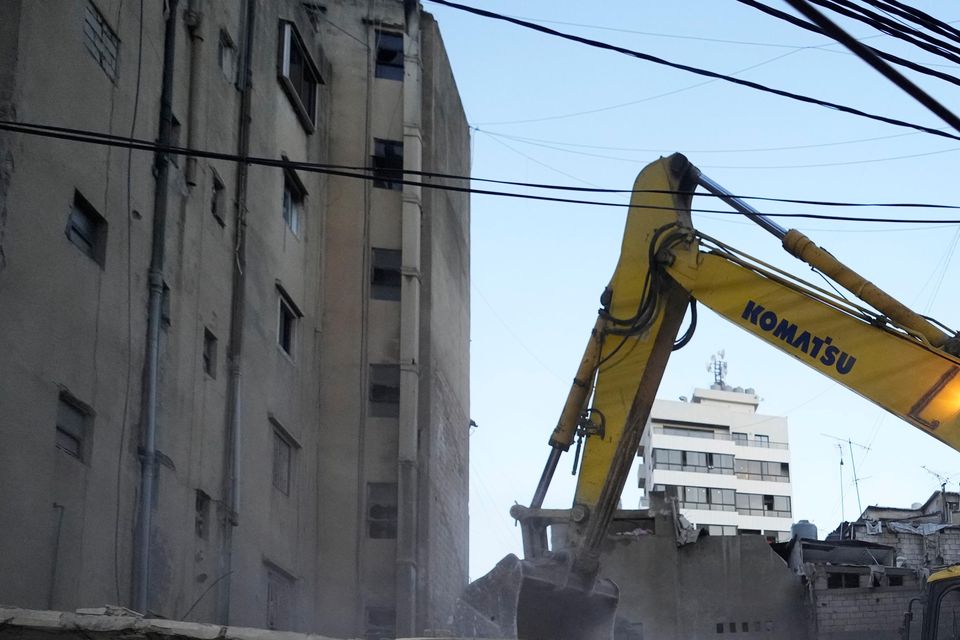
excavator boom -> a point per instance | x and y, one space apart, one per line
888 354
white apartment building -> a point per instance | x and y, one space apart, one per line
728 466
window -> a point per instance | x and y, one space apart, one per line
73 426
101 41
298 75
739 438
282 455
227 56
381 623
216 197
697 461
385 277
762 441
755 504
688 432
293 196
722 530
288 315
760 470
87 229
389 55
202 515
837 580
382 510
209 353
280 587
387 164
706 498
384 390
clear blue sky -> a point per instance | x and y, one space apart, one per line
547 110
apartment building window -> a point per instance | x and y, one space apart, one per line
87 229
687 432
73 426
282 460
298 75
761 470
739 437
762 441
385 281
227 56
696 461
721 530
288 317
101 41
382 510
384 394
387 164
280 591
202 515
294 194
217 197
755 504
389 55
381 623
707 498
209 353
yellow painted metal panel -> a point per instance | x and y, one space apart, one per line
618 378
915 382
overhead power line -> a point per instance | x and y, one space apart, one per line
368 173
870 58
696 70
783 15
917 16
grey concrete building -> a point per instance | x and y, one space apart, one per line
233 392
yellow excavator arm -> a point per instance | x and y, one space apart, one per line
888 354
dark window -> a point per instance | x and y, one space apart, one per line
101 41
217 197
895 581
387 164
293 197
202 515
382 510
87 229
389 55
762 441
385 277
739 437
73 425
287 320
209 353
384 390
755 504
298 75
227 56
719 627
282 456
381 623
843 580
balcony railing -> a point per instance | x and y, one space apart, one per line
706 434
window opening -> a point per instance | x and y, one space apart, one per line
382 510
389 55
293 197
217 195
387 164
87 229
101 41
227 56
384 392
202 515
209 353
385 280
288 317
279 594
73 421
298 74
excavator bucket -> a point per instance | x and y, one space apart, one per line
534 600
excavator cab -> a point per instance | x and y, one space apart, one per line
941 608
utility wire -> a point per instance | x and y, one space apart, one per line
696 70
891 28
870 58
917 16
783 15
368 173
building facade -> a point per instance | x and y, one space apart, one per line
231 391
727 466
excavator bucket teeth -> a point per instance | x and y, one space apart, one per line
534 600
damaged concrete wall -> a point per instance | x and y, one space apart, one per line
717 585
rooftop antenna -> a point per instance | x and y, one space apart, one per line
718 367
853 463
843 517
943 490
